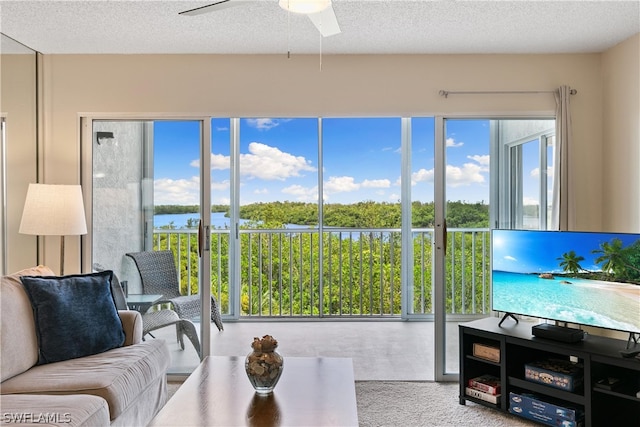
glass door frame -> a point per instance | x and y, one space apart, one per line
440 202
439 249
86 143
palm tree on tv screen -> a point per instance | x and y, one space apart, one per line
619 261
570 262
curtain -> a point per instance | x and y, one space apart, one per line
561 197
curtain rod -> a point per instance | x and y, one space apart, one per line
446 93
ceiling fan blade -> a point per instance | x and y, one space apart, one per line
219 5
326 22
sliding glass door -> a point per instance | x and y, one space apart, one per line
148 187
493 173
314 218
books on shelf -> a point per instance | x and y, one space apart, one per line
486 383
485 387
478 394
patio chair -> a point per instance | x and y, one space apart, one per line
152 320
159 276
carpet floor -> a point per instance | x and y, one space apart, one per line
413 404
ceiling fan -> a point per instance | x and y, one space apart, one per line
320 12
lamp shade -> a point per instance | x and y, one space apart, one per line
304 6
53 210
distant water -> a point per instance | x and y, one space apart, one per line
586 302
218 220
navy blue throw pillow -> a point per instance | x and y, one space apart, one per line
75 315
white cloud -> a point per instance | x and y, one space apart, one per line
303 194
224 185
528 201
510 258
339 184
394 197
269 163
484 160
535 172
261 191
263 124
376 183
220 161
423 175
168 191
452 143
468 174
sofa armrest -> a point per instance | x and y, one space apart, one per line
132 326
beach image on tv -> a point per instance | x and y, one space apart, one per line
578 277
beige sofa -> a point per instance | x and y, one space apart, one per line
125 386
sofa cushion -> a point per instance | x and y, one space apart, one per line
69 411
75 315
18 341
118 375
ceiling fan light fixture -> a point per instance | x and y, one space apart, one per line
304 6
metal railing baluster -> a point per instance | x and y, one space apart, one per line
365 264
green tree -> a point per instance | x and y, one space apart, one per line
611 256
631 255
570 262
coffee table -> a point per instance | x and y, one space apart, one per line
313 391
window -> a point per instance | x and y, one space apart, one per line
525 171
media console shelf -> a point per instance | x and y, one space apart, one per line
603 404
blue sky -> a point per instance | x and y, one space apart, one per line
362 161
520 251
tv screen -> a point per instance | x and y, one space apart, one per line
578 277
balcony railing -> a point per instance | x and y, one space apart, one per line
336 273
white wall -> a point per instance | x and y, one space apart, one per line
347 85
18 106
621 140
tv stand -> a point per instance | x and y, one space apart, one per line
607 395
505 317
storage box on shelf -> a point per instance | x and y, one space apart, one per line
557 373
487 352
534 408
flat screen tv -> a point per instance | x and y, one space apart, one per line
584 278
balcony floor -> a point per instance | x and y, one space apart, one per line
390 350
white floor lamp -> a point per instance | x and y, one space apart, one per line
54 210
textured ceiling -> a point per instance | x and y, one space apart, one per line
368 27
